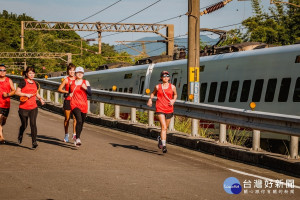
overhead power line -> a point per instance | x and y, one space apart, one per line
131 15
100 11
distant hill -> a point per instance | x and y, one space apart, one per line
158 48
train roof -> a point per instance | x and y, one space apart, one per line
240 54
256 52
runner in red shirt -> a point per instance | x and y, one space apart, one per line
7 89
67 102
79 89
166 97
28 107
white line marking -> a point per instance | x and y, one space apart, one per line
261 177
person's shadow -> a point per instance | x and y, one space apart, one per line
44 139
55 141
15 144
134 147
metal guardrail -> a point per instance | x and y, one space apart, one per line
255 120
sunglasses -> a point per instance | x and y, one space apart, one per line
2 70
166 75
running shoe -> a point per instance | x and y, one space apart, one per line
66 139
164 149
20 138
77 142
34 145
159 145
74 136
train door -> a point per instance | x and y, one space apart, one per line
174 79
141 85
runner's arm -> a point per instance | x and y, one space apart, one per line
152 96
62 85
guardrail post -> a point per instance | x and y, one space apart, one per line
15 86
294 147
89 106
117 111
222 135
195 127
171 125
151 118
48 95
101 110
56 98
42 93
256 140
133 115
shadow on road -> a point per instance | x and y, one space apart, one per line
54 141
14 144
134 147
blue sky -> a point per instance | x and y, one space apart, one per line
76 10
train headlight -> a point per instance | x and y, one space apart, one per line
252 105
46 76
114 88
191 97
147 91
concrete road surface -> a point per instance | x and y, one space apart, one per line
112 164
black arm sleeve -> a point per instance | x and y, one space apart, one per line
22 84
89 90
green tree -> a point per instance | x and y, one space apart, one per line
280 27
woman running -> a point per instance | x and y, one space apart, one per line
28 89
166 97
67 106
7 89
79 89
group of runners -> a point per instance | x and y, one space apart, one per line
75 90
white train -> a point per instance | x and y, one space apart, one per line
269 77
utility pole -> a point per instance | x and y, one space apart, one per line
193 56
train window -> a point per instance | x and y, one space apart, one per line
141 87
223 91
127 76
120 89
130 90
106 89
271 88
202 67
184 92
257 90
296 97
234 91
125 90
110 89
203 92
212 91
284 89
245 91
175 81
297 59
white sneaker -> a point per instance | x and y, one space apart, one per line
77 142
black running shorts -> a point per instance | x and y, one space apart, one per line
4 111
167 115
67 105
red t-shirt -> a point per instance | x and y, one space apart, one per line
163 103
4 87
28 88
79 98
